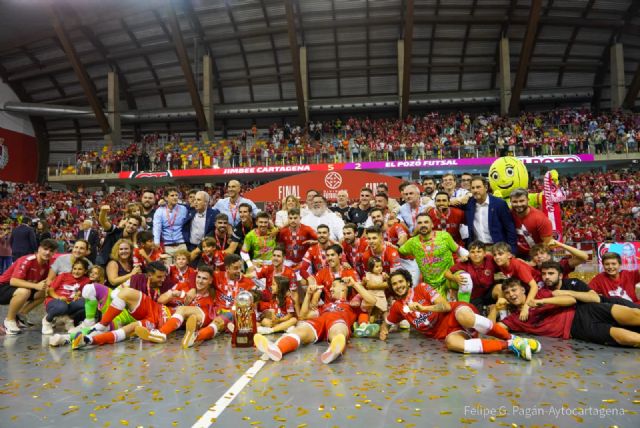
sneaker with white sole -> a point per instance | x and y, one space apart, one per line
23 321
47 327
155 336
336 347
535 345
11 327
59 340
520 347
267 347
190 334
80 341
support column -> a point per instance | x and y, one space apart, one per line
505 76
304 74
400 75
207 95
617 76
114 138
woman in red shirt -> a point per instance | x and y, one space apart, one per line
64 297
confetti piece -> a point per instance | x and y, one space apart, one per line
445 412
327 415
611 400
124 422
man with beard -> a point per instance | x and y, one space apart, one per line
379 248
412 208
114 233
333 322
148 201
532 226
447 218
296 238
267 273
241 229
232 203
319 214
212 249
316 256
353 247
359 214
428 190
456 323
332 270
560 316
433 251
259 243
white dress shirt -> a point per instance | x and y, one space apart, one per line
481 222
197 228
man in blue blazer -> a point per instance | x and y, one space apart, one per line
201 221
488 218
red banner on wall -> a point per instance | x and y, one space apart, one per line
18 157
329 183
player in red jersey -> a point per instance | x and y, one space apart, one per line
532 225
447 218
25 281
454 322
227 284
316 257
325 277
201 311
561 317
296 238
332 323
383 250
512 267
353 247
614 282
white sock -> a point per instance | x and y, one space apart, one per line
179 318
482 324
473 346
120 335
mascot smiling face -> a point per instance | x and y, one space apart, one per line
507 173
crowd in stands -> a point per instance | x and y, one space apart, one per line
433 136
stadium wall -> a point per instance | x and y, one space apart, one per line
18 145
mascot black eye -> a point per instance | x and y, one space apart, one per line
495 175
509 171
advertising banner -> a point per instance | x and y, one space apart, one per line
18 157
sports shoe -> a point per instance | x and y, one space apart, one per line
521 348
267 347
265 330
535 345
335 349
155 336
372 330
404 325
360 330
47 327
80 341
190 335
11 327
59 340
23 321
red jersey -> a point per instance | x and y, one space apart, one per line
216 261
531 229
267 272
208 306
624 286
183 287
26 268
188 276
389 255
481 275
546 320
353 253
294 241
394 232
326 277
448 222
521 270
226 289
280 311
67 287
316 257
139 260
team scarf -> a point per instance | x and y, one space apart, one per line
552 195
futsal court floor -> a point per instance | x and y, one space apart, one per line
407 381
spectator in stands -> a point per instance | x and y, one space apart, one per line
23 240
92 237
488 218
5 247
42 231
232 202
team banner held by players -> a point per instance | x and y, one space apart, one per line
629 252
326 182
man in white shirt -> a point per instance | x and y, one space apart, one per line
320 214
458 196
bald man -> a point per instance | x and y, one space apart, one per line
413 206
231 203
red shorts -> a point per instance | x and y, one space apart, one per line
448 323
151 314
324 322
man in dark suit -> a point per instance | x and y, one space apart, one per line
201 221
488 218
91 236
22 241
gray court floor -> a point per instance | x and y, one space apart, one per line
407 382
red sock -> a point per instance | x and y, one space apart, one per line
170 326
109 315
489 346
104 338
499 332
287 343
205 334
363 318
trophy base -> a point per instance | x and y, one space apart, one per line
242 340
